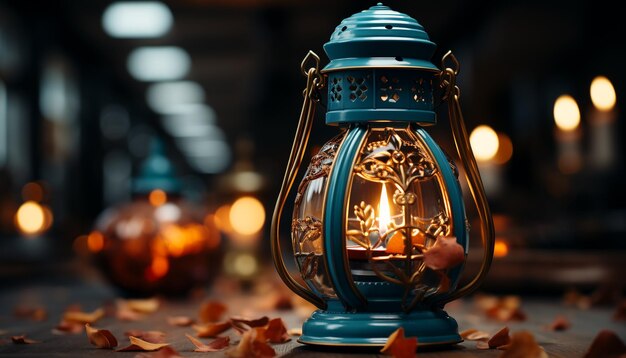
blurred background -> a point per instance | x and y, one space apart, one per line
115 112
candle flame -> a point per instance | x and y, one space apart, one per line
384 213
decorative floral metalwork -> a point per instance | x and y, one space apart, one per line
400 161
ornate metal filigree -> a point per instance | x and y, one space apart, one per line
401 162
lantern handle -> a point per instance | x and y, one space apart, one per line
472 176
303 131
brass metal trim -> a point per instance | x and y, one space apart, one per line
373 345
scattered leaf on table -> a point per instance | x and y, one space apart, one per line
137 344
180 321
148 305
35 313
123 312
482 344
620 312
574 298
500 338
211 329
100 338
241 324
23 340
148 336
606 344
294 331
560 323
252 344
68 327
214 346
523 345
84 317
276 332
212 311
399 346
444 254
507 308
165 352
474 335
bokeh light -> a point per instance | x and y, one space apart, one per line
602 93
566 113
484 142
247 215
30 218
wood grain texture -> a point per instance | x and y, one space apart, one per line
568 344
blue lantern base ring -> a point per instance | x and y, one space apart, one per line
431 327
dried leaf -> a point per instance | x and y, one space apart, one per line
84 317
211 329
215 346
294 331
482 344
68 327
165 352
500 338
34 313
560 323
503 309
241 324
400 347
574 298
252 344
276 332
212 311
523 345
467 332
445 253
180 321
475 335
123 312
137 344
148 336
100 338
148 305
23 340
606 345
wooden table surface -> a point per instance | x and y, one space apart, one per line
56 297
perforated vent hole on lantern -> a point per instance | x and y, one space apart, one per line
399 58
344 28
388 27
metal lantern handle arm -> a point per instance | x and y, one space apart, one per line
464 150
314 83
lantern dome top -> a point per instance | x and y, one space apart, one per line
156 172
379 37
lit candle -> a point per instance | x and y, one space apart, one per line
601 124
567 120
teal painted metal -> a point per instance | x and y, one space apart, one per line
455 195
380 61
431 327
156 172
334 211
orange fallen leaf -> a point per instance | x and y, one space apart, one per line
400 347
606 345
211 329
212 311
165 352
474 335
68 327
148 305
507 308
276 332
84 317
574 298
34 313
181 321
523 345
137 344
482 344
148 336
23 340
445 253
241 324
100 338
252 344
500 338
214 346
123 312
560 323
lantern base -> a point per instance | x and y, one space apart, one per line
431 327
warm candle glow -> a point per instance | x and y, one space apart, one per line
30 218
484 142
384 213
566 113
602 93
157 197
247 215
500 249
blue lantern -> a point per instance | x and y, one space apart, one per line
379 228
